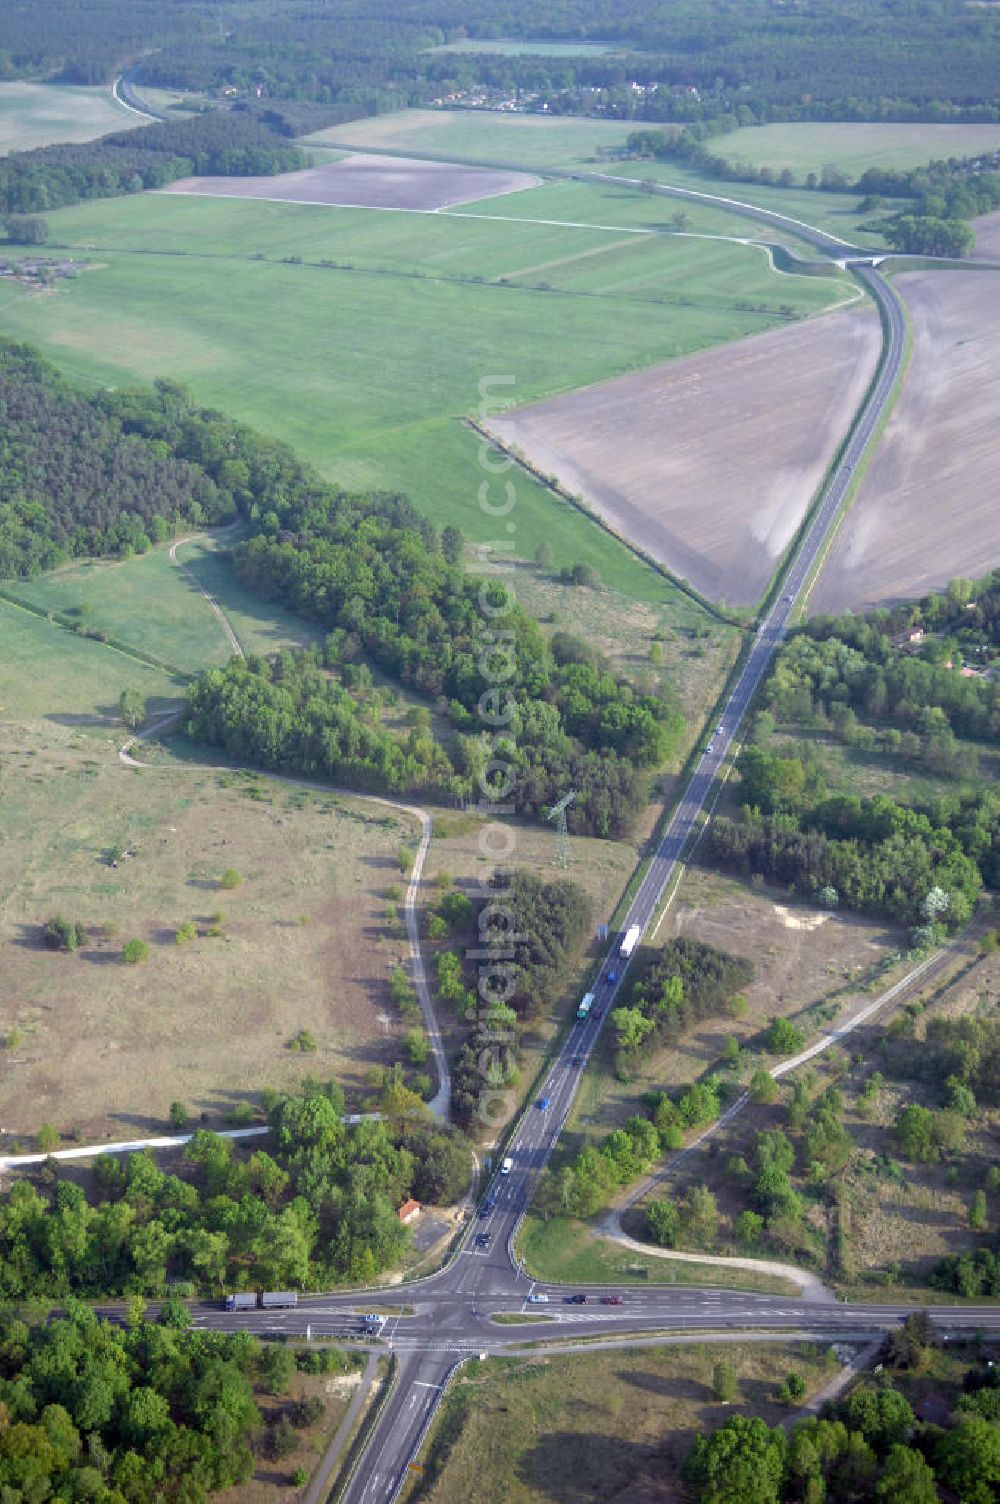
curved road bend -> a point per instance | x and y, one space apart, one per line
453 1307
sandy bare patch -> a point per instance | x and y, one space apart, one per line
709 462
927 509
364 182
792 921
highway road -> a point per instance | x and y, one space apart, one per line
453 1310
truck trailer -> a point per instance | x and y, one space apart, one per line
267 1300
630 939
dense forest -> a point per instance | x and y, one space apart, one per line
141 1412
867 1445
527 937
318 1208
75 482
915 684
230 143
837 59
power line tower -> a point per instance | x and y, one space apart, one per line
558 814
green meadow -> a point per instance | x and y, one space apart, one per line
809 146
527 140
41 114
369 365
48 673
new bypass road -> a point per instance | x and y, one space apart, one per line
454 1310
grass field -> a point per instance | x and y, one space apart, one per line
40 114
568 1251
837 213
103 1047
530 140
808 146
369 371
595 1426
50 674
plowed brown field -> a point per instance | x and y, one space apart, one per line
365 182
709 463
927 509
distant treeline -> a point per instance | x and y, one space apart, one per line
228 143
835 59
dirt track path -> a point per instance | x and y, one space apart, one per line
223 619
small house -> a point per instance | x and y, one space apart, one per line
409 1212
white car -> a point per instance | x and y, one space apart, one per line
507 1166
538 1299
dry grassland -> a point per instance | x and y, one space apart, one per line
97 1045
709 463
927 508
365 182
595 1426
802 957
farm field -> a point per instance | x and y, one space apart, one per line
593 1426
987 230
723 451
366 182
368 374
804 959
926 508
808 146
105 1047
522 140
40 114
50 675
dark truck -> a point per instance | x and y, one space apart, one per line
267 1300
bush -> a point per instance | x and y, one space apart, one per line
303 1041
306 1412
47 1137
763 1087
63 934
230 879
179 1115
663 1221
187 931
783 1038
134 952
298 1477
406 860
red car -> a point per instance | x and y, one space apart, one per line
612 1300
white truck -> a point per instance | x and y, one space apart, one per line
630 939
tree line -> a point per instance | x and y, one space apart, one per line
318 1207
227 143
526 938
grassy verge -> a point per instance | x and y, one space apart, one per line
566 1251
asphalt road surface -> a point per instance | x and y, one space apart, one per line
453 1310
